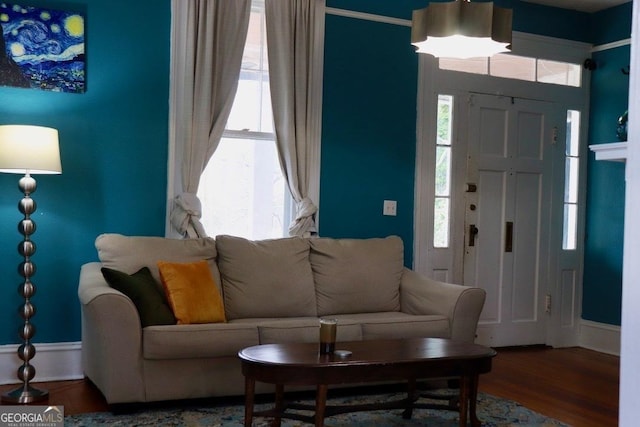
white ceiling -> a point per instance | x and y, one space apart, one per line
581 5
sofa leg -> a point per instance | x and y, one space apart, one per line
124 408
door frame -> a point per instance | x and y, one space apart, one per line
446 263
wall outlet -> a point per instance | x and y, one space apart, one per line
389 207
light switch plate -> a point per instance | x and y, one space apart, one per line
389 208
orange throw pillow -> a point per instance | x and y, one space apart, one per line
192 292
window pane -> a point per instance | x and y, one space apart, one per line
242 190
255 56
445 104
570 227
443 171
571 180
562 73
471 65
573 133
513 67
252 106
441 223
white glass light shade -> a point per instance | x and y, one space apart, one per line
29 149
461 29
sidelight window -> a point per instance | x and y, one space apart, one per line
572 166
442 202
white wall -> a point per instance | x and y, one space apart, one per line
630 345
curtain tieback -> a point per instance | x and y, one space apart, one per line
304 225
187 210
306 208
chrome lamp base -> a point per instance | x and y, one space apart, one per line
26 394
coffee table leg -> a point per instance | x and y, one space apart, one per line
321 404
249 392
464 399
277 420
411 397
473 400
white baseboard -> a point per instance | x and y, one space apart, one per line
53 362
599 337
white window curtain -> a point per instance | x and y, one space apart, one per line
208 38
295 40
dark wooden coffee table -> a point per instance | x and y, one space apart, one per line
301 364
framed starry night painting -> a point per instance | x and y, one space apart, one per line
42 48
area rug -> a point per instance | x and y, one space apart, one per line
492 411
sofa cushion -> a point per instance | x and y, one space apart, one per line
357 275
192 292
197 341
143 290
131 253
397 325
266 278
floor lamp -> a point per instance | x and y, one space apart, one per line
28 150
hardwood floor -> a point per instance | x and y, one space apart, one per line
574 385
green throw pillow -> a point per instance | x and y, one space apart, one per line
141 287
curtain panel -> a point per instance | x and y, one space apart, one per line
208 38
295 43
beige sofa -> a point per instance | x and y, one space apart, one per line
273 291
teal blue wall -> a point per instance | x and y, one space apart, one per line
113 142
369 130
602 289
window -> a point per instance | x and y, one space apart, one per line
561 73
572 165
242 189
442 202
518 68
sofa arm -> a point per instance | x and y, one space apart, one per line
461 304
111 338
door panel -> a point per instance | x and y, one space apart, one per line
487 270
508 159
526 248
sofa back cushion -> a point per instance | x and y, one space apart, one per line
131 253
266 278
357 275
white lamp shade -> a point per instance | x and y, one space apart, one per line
29 149
461 47
461 29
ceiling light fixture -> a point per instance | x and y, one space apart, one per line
461 29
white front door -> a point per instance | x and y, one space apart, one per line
508 215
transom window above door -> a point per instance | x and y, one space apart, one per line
519 68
